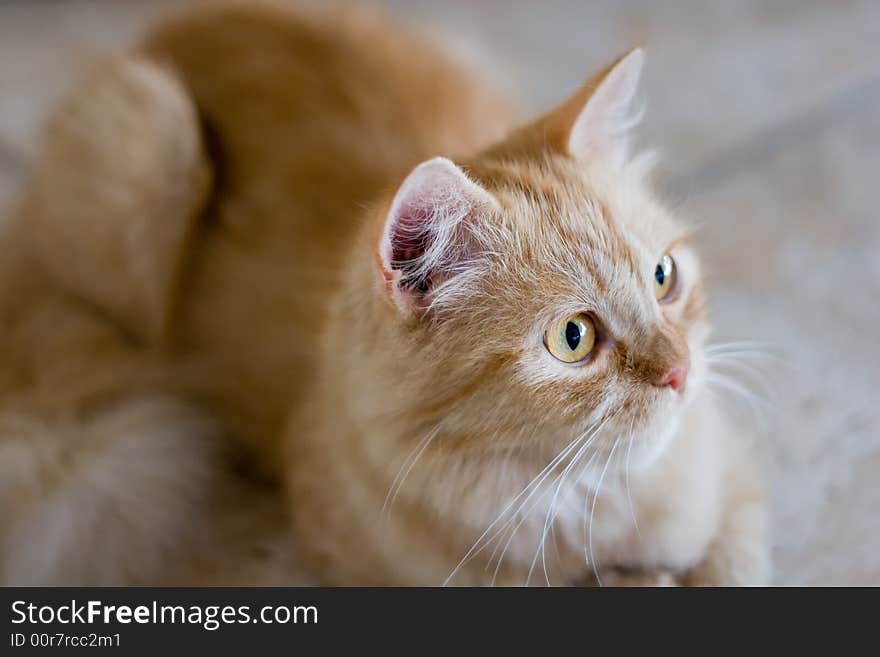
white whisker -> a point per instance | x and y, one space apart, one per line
757 405
551 511
750 345
593 509
737 387
525 516
481 543
514 526
749 372
632 508
399 480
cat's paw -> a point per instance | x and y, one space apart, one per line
711 573
748 565
638 578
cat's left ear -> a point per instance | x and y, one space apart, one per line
429 234
595 123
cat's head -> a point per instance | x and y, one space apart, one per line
543 295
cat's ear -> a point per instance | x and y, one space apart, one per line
428 235
596 121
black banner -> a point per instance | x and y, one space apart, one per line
148 620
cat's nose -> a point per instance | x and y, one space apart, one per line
675 378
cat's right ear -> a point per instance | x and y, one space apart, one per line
596 121
429 233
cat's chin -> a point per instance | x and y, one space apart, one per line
649 444
642 450
640 444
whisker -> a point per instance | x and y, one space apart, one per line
555 545
593 509
551 513
725 356
758 406
593 432
632 508
514 526
754 374
742 350
752 357
480 543
399 480
753 345
737 387
552 523
512 533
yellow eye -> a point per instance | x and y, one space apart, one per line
664 279
572 339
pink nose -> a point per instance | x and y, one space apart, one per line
675 378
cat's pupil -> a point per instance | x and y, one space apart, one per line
572 335
659 275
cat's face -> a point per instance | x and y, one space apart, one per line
553 284
596 298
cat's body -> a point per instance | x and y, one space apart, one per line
311 119
436 471
250 283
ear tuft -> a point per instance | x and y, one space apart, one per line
427 237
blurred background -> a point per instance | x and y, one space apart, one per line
767 117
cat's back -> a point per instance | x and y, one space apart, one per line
307 118
321 102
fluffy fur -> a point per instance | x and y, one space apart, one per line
248 278
422 456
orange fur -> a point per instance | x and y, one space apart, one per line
235 269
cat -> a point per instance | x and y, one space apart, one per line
511 387
314 253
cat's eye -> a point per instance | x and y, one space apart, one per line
572 339
665 277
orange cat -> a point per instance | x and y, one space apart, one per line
487 351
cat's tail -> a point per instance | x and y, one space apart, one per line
120 182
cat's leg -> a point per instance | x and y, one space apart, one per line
122 495
739 554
